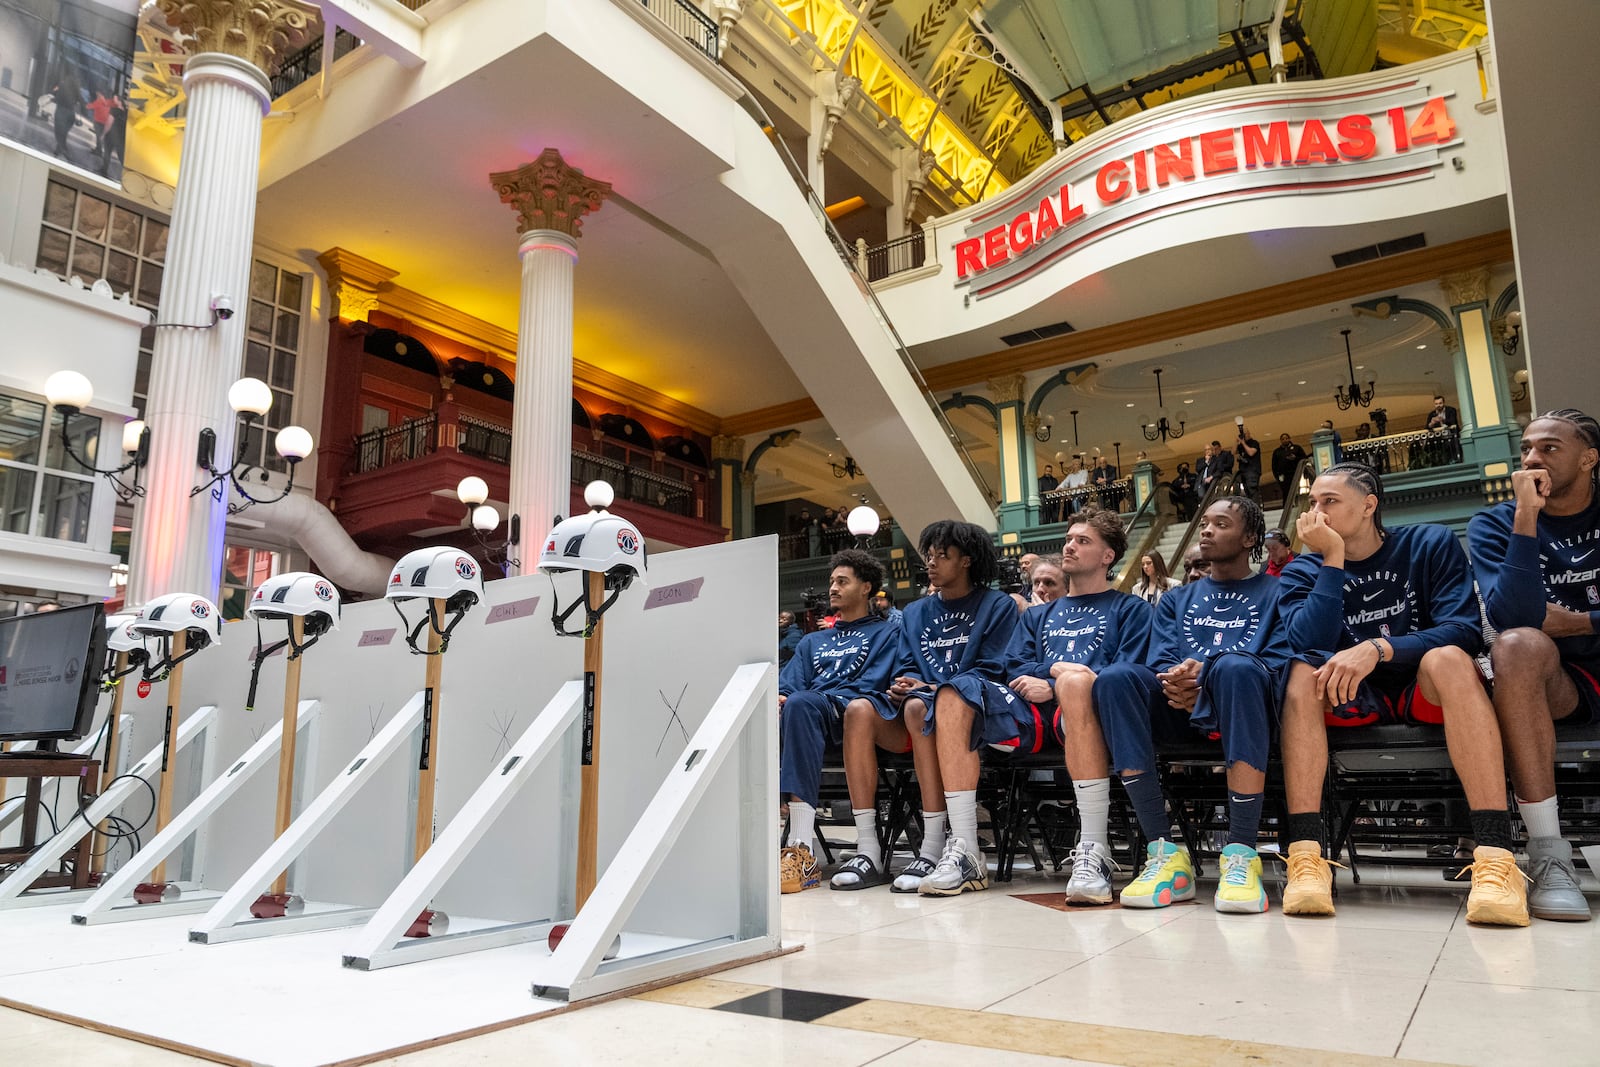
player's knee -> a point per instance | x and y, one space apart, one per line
1447 661
1523 650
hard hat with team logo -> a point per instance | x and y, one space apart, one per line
178 613
121 638
435 574
598 542
310 596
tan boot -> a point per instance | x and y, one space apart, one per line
1310 887
1499 895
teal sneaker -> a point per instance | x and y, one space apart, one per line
1166 878
1240 891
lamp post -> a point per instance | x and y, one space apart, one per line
484 519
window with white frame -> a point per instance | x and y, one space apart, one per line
272 352
43 491
243 569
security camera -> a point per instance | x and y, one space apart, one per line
222 307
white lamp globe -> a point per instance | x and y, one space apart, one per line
485 517
293 443
68 389
598 494
250 395
863 521
131 432
472 491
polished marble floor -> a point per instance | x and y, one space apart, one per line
992 978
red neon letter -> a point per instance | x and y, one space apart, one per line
1170 164
1434 125
1266 145
1358 140
994 246
1216 152
969 257
1021 233
1397 123
1111 184
1141 180
1047 223
1315 144
1069 211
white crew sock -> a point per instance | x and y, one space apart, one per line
867 835
1540 817
1094 809
802 824
933 835
963 808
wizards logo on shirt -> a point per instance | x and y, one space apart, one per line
1380 604
1073 634
1572 571
840 658
945 638
1220 622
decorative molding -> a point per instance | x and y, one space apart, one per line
727 449
260 32
762 420
1466 286
834 110
548 194
355 282
727 13
1450 338
1007 389
747 478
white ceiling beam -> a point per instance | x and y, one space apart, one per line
387 25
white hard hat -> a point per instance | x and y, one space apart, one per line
119 632
310 596
181 613
598 541
447 574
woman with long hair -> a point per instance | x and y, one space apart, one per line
1154 581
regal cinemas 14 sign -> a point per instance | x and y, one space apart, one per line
1291 145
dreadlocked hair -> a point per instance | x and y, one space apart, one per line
1253 521
967 538
1106 523
1587 429
864 564
1368 481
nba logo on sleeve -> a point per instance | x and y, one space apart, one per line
1594 595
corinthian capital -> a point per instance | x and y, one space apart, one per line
261 32
1466 286
550 195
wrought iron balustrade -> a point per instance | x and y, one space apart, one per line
389 445
1398 452
306 64
893 257
688 22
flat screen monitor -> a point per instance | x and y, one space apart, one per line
50 672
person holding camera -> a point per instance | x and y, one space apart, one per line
1248 449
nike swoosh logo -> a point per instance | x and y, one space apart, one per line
1369 596
1579 559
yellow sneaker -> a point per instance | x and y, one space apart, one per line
798 869
1239 890
1310 887
1499 895
1166 878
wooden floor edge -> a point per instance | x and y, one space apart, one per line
125 1034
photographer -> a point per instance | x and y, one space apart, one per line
1248 449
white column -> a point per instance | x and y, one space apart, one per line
178 540
541 415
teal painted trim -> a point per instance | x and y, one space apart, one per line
1422 307
967 400
1061 377
1503 302
776 440
1013 517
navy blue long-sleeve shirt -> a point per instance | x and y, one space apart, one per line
1415 592
853 659
940 639
1095 630
1519 574
1204 619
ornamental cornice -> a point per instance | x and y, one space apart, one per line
548 194
260 32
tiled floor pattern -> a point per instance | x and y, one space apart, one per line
993 979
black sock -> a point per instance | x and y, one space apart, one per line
1144 793
1244 818
1304 826
1491 828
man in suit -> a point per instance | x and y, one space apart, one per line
1445 417
1219 463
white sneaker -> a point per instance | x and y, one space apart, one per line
1091 874
959 871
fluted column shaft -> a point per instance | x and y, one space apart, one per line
541 416
178 540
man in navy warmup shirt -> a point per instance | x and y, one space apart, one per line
1212 671
1056 656
951 687
833 673
1539 569
1383 625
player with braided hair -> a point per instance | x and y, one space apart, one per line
1383 625
1216 650
1537 558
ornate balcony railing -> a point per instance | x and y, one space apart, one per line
1117 495
688 22
306 64
892 257
1398 452
389 445
820 542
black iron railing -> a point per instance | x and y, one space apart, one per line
307 63
822 541
484 440
1398 452
389 445
688 22
632 484
901 254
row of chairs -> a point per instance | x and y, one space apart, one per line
1390 793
